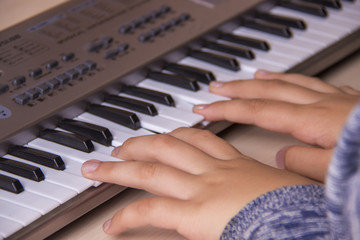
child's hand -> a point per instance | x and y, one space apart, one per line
201 182
307 108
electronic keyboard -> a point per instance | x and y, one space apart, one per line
81 78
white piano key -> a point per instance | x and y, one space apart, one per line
44 188
221 74
174 113
199 97
154 123
103 149
30 200
8 227
17 213
88 117
347 15
62 178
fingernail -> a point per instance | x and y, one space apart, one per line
106 225
115 152
90 166
263 72
217 84
200 106
280 157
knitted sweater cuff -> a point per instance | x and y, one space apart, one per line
295 211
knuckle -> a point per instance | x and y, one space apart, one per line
163 141
148 170
257 105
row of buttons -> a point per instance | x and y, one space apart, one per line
164 27
54 83
136 23
36 72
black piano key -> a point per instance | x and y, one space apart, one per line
75 141
327 3
267 27
246 41
216 59
10 184
21 169
132 104
96 133
38 156
122 117
155 96
175 80
201 75
310 8
233 50
287 21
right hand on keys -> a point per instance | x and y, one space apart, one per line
305 107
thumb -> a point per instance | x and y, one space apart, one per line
307 161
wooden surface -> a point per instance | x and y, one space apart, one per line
247 139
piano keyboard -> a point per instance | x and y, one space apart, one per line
136 76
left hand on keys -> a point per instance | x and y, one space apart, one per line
200 180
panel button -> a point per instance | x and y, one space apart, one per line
106 41
43 88
145 37
63 79
94 47
52 64
122 47
82 69
18 80
165 9
35 72
126 28
90 64
53 83
22 99
68 56
72 74
4 88
111 54
33 93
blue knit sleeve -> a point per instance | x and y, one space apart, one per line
286 213
310 212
